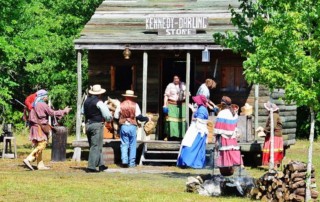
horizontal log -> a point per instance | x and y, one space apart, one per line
301 175
288 136
297 184
302 192
289 131
264 112
295 197
298 166
283 118
286 125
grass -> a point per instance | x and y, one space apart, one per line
67 181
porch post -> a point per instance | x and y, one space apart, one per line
187 88
144 83
144 89
77 150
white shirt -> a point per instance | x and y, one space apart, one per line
204 90
172 91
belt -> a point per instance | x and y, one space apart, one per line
173 102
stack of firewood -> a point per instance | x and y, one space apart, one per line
295 179
270 187
288 185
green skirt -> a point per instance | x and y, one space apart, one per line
175 124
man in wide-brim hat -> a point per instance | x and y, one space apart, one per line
96 113
128 113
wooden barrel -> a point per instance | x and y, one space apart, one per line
108 155
59 143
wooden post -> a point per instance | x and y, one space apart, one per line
77 150
144 88
271 163
187 87
256 107
144 83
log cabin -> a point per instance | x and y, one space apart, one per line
141 44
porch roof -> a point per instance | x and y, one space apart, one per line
118 23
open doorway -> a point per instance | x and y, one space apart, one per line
169 68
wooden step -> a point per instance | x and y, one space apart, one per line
161 152
159 160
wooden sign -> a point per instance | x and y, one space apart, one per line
176 25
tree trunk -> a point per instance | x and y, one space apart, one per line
309 165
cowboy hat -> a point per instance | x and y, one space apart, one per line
129 93
246 110
271 106
97 90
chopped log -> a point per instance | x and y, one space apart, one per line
264 198
279 193
302 192
280 175
298 166
259 195
254 191
286 196
297 184
296 197
301 174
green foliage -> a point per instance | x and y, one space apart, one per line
37 50
280 39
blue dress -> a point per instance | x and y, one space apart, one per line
194 156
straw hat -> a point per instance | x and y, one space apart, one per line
271 106
246 110
129 93
97 90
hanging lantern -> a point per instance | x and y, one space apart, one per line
205 55
126 53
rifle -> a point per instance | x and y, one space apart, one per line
25 112
20 103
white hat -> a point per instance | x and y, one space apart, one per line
129 93
270 106
97 90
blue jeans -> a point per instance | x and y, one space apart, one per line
128 136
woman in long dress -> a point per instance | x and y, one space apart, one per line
278 140
193 146
226 136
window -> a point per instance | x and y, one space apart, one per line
232 79
122 77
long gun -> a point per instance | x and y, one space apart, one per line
20 103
